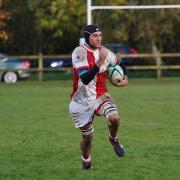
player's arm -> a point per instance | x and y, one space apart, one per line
80 63
114 60
87 75
124 81
123 66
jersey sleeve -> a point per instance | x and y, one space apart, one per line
79 58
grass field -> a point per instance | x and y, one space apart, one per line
39 141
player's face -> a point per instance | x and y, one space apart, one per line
95 39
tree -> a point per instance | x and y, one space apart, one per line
4 16
22 39
62 20
54 26
143 29
154 28
112 21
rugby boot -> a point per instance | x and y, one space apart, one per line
118 147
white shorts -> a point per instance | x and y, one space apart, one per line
83 114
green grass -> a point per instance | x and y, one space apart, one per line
38 139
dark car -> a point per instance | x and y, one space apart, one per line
124 49
12 70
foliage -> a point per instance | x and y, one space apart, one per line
62 19
24 38
154 27
142 29
53 15
55 26
112 21
4 16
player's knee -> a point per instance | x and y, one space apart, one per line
114 118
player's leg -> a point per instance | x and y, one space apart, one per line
108 108
86 144
82 117
113 126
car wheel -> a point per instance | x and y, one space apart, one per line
10 77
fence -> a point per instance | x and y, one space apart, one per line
157 56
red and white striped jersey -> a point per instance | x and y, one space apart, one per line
84 58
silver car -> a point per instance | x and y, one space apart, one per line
12 70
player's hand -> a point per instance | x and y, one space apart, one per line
122 82
102 56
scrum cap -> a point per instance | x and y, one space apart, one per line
88 30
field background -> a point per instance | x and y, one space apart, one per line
39 141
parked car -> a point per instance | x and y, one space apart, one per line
12 70
124 50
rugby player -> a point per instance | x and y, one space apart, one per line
90 96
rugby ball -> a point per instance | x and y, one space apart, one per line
115 73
